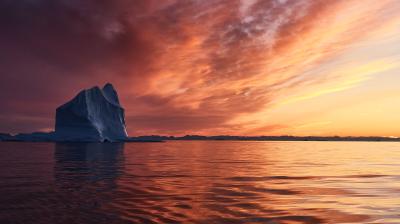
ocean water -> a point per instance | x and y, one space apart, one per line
200 182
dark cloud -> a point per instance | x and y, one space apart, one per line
51 49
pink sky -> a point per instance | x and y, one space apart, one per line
249 67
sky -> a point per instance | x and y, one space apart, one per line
215 67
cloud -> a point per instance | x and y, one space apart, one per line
180 66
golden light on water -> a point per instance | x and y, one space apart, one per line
282 182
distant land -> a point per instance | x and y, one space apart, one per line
39 137
267 138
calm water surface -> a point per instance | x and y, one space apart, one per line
200 182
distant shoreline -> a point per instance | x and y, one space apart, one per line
44 137
268 138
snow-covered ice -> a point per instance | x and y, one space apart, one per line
93 115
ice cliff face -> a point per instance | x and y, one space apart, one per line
93 115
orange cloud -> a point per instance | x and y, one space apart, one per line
185 67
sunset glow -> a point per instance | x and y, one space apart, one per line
235 67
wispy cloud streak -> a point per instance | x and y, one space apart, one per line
184 66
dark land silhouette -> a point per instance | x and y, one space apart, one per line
42 137
265 138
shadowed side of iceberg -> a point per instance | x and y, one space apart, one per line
93 115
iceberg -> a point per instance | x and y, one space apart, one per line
93 115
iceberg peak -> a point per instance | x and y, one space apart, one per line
110 93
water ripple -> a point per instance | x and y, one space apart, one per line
200 182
